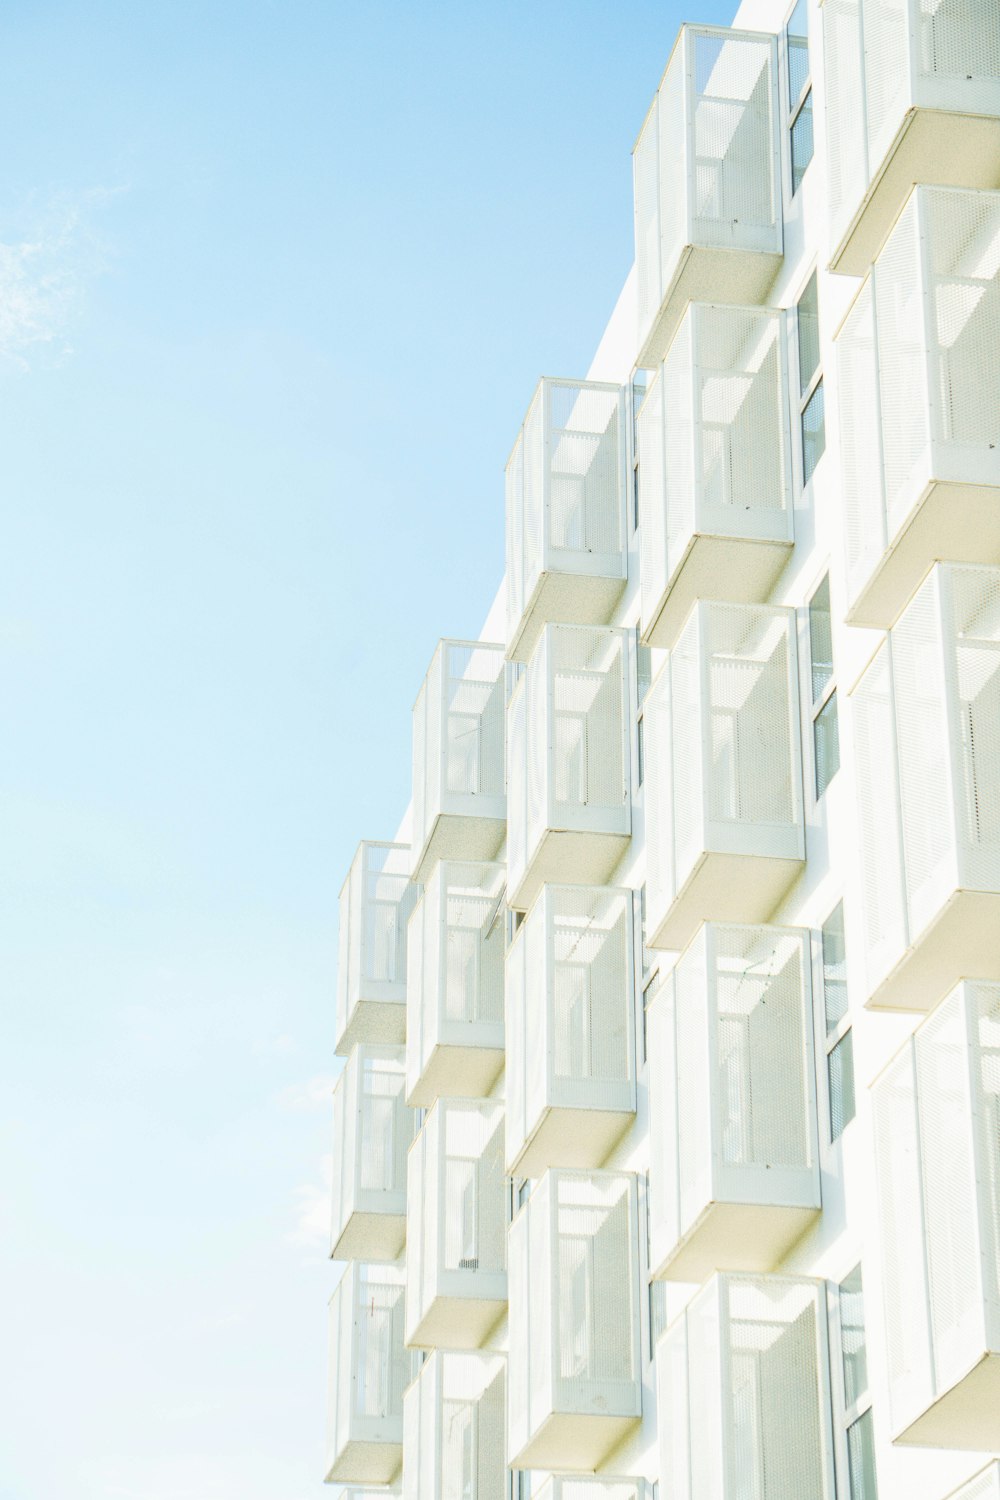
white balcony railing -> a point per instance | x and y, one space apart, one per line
734 1160
743 1394
375 904
569 813
368 1370
456 1253
723 780
372 1131
937 1156
566 543
593 1487
459 798
454 1419
454 985
926 718
715 496
983 1486
707 181
920 402
574 1321
912 95
570 1074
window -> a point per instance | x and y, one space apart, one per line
855 1400
640 380
823 692
643 678
839 1041
800 109
812 400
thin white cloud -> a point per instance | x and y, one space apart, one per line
311 1230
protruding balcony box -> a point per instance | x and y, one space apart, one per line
912 95
707 181
723 783
454 1418
574 1321
984 1486
734 1162
454 986
714 478
372 1131
937 1157
593 1487
459 797
926 718
368 1370
743 1393
570 1076
569 813
920 402
456 1268
375 904
566 542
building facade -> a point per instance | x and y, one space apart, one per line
668 1141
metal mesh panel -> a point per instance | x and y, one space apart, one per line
972 643
886 71
985 1002
591 987
475 1230
843 56
884 902
646 208
692 1080
657 791
516 979
902 364
985 1486
523 1337
537 744
963 263
861 439
380 1366
652 491
741 405
733 166
474 940
595 1279
958 38
584 469
680 446
588 707
385 1125
675 102
685 719
517 782
474 719
750 728
387 898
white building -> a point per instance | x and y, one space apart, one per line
668 1156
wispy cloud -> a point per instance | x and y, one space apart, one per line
311 1231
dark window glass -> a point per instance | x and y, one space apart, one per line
820 639
826 745
852 1337
802 142
840 1078
807 329
834 968
813 433
861 1458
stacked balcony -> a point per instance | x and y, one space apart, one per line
368 1371
570 1075
707 181
454 1419
723 783
743 1397
927 747
456 1271
565 500
372 1132
983 1486
937 1157
598 1487
912 95
734 1160
459 797
714 473
375 904
454 985
920 402
569 813
574 1321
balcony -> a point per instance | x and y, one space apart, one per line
375 904
593 1487
707 181
459 797
926 718
984 1486
723 783
454 985
456 1270
454 1419
372 1132
570 1078
743 1398
920 402
565 486
734 1159
368 1371
936 1112
569 814
714 478
913 95
574 1321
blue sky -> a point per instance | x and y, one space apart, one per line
276 283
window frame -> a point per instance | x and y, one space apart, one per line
847 1414
833 1034
819 702
807 389
793 108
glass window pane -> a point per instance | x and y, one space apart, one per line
802 142
852 1337
643 670
861 1458
820 638
840 1080
834 968
826 744
807 329
657 1313
813 433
